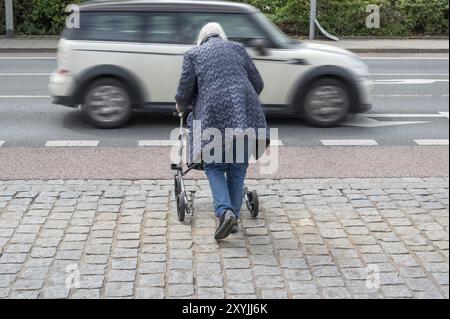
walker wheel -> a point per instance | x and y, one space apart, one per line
253 203
181 207
177 183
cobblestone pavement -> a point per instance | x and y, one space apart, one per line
317 238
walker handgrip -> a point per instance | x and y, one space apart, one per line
178 114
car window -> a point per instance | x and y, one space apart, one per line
112 26
278 36
238 27
161 28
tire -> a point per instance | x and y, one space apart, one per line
254 211
181 207
107 103
177 186
252 203
248 200
327 103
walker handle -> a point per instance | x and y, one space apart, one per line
178 114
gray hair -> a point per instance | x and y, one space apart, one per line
210 29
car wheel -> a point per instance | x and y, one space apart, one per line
107 103
326 103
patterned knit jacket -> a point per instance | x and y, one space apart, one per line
220 81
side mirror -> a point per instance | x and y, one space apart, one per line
259 45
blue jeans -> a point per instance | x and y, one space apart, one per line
227 186
227 181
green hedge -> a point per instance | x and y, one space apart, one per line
340 17
347 17
38 17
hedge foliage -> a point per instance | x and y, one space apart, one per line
348 17
339 17
38 17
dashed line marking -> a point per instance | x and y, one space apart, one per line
68 143
24 96
349 142
25 74
404 58
402 95
156 143
276 142
389 115
152 143
432 142
408 81
410 74
166 143
26 58
444 114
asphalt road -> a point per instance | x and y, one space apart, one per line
411 105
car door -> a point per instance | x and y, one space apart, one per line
162 57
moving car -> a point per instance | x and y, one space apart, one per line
127 56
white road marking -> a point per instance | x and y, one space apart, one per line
165 143
338 142
25 74
276 142
370 120
408 81
26 58
417 115
432 142
24 96
402 95
404 58
72 143
410 74
362 121
146 143
444 114
153 143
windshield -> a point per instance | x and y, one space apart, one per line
278 36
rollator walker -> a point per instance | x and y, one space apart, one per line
185 202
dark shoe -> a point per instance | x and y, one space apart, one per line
226 223
234 229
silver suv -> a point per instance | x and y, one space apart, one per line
128 55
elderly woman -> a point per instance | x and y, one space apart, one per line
221 83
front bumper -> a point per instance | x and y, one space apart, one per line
61 87
64 100
365 88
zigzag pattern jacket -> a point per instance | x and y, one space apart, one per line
220 81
